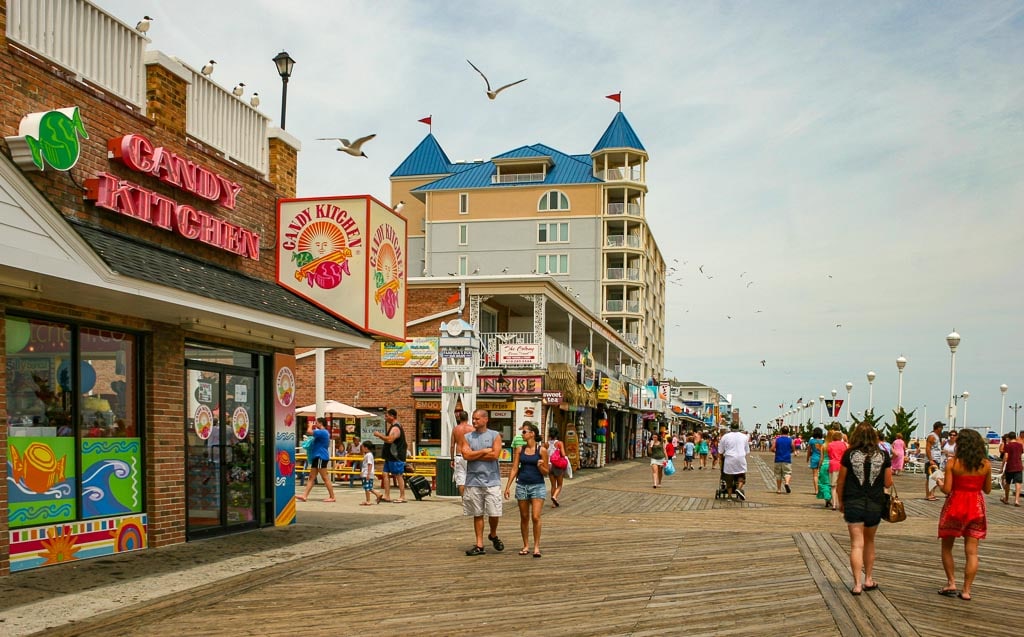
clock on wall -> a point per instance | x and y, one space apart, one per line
454 328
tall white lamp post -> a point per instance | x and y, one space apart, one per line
849 388
1002 406
833 415
901 362
953 340
821 410
965 396
871 392
810 407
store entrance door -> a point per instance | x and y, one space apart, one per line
221 449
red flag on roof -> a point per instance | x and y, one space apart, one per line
426 120
615 97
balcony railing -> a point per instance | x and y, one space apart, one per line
622 274
520 178
629 173
631 209
632 339
618 305
226 123
85 40
620 241
490 345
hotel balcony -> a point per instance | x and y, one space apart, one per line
622 241
628 173
520 178
618 306
622 274
630 209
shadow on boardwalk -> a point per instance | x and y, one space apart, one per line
620 558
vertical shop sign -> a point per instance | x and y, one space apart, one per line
284 439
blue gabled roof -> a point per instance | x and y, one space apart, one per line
426 159
565 169
619 134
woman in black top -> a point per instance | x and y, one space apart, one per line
864 474
529 466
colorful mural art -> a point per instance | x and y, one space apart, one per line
111 484
41 478
61 543
284 440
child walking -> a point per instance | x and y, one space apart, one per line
366 473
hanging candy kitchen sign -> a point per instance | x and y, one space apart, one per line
347 255
130 199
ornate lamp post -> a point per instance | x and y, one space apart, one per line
901 362
965 396
833 415
1002 406
849 388
821 410
284 63
871 392
953 340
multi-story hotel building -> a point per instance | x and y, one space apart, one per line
579 218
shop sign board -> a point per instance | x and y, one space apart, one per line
551 397
519 385
501 413
610 389
456 389
48 139
419 351
519 354
348 256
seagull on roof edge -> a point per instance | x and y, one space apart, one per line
352 148
254 101
143 24
207 69
238 90
493 94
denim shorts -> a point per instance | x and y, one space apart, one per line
531 491
862 511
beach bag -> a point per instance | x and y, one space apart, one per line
307 442
558 459
894 511
670 467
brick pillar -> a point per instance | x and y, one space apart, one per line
165 436
166 92
284 160
5 538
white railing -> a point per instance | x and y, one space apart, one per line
558 352
618 305
85 40
615 274
519 178
628 173
633 274
619 241
632 339
218 118
631 209
490 345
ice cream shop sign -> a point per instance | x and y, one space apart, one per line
130 199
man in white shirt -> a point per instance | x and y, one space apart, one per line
734 447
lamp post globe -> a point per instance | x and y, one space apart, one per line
1002 408
821 409
901 362
871 392
833 415
284 64
953 340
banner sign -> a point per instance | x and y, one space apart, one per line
519 354
420 351
834 406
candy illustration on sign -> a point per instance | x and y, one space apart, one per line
49 138
321 243
388 268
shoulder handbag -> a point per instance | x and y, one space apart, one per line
894 511
558 459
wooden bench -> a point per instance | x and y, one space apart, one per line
343 466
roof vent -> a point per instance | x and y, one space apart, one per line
478 161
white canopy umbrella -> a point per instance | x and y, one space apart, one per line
334 408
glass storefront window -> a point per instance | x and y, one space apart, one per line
60 472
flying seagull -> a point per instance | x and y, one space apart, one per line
143 24
493 94
750 284
762 362
254 101
839 324
701 268
476 270
238 90
207 69
352 148
504 270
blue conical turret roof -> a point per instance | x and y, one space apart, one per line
619 134
426 159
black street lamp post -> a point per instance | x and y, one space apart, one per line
284 63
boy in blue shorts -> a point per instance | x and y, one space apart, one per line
366 473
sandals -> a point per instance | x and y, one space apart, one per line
537 554
961 596
872 587
525 551
476 550
555 502
397 501
498 544
380 499
949 592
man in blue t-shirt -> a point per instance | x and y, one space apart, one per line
783 448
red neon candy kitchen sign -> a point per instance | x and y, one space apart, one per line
130 199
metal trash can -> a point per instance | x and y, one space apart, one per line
446 478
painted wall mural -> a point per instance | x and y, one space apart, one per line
67 542
111 480
41 478
284 440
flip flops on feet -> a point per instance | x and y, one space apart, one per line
966 598
871 587
949 592
536 554
525 551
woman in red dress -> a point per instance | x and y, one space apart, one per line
968 475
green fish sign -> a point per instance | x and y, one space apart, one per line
49 138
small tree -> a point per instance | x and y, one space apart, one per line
905 423
868 417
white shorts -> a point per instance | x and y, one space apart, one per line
480 501
460 471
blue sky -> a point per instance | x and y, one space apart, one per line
860 162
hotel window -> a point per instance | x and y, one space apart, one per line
463 265
553 232
552 264
463 203
463 234
73 430
553 200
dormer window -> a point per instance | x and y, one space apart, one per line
553 200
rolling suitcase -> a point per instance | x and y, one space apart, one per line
419 485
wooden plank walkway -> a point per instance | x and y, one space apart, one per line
620 558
